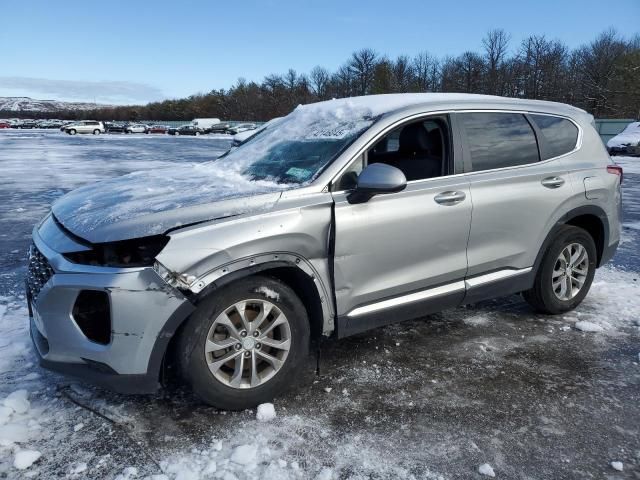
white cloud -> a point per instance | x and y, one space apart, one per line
113 92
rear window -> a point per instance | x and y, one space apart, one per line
560 135
498 140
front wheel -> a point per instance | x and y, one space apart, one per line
71 132
565 273
197 134
245 344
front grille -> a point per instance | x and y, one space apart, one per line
38 273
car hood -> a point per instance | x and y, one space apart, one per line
152 202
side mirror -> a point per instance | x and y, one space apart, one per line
375 179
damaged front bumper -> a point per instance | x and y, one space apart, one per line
116 335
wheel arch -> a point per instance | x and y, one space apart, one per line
294 271
590 218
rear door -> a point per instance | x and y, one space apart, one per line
514 194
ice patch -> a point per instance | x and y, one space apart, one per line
15 432
77 468
266 412
244 454
25 458
587 326
18 401
128 473
476 320
325 474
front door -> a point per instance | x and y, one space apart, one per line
400 254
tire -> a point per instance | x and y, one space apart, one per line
96 132
216 388
71 131
177 134
197 134
545 297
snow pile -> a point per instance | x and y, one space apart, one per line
612 303
266 412
25 458
617 466
487 470
14 339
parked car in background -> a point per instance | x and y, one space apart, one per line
135 128
627 142
240 138
4 124
27 124
222 127
115 127
157 129
85 126
229 280
185 130
242 127
205 123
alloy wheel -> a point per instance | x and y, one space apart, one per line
570 271
248 343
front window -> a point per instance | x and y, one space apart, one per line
298 147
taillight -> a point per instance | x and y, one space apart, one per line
615 170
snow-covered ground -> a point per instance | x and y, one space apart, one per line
485 389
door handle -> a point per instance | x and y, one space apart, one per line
449 198
552 182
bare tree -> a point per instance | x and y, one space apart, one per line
361 66
319 81
495 44
425 69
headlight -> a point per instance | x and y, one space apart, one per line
139 252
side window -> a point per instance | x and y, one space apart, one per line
420 149
498 140
560 135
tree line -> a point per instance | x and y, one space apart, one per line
602 77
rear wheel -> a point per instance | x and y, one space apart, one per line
566 272
71 131
96 132
197 134
245 344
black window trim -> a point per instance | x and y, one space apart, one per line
468 170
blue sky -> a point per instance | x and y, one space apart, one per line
136 51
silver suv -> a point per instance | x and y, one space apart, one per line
341 217
84 126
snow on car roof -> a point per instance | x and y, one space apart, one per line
387 103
